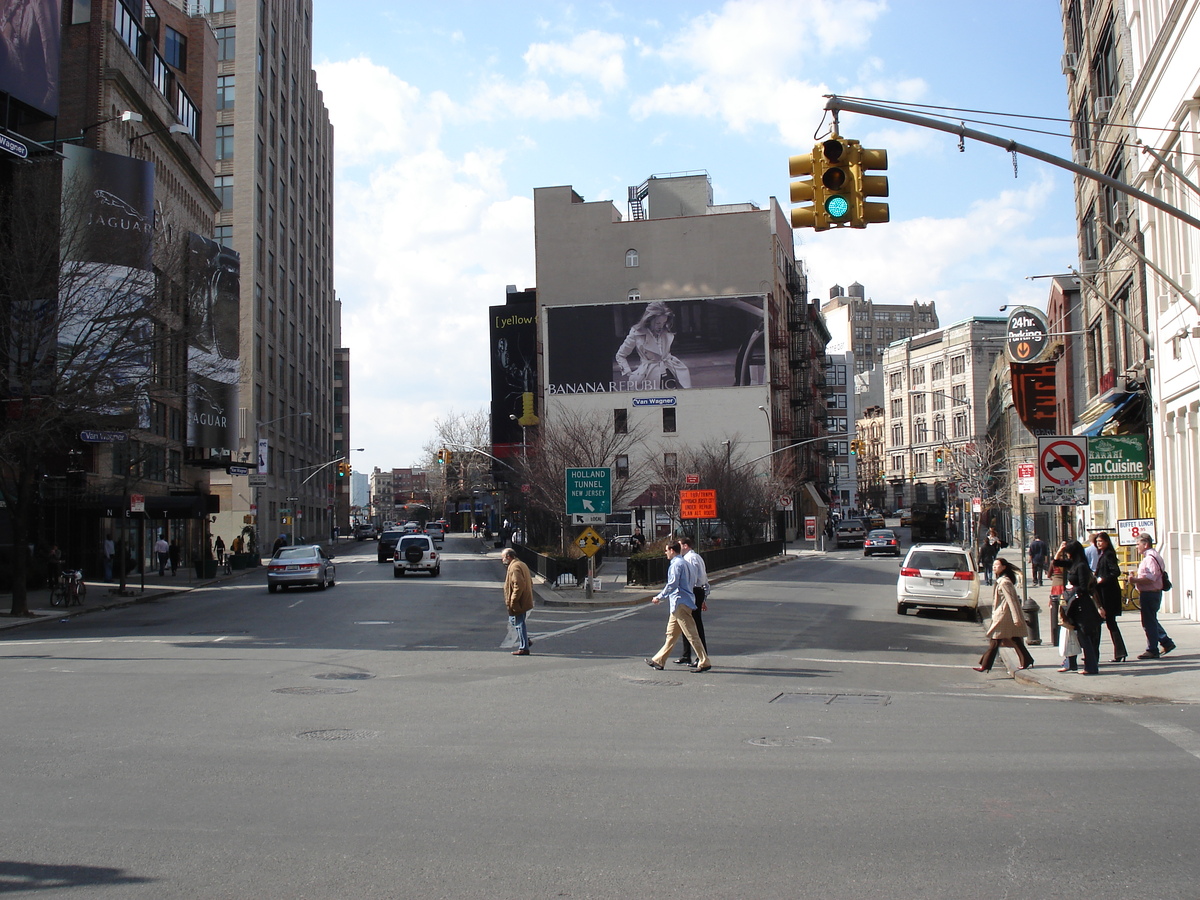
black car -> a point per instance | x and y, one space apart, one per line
387 543
881 540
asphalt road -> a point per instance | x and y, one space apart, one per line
378 740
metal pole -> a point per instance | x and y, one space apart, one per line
1024 544
835 104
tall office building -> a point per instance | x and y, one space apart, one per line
274 175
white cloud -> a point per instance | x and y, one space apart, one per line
749 62
970 265
594 55
373 112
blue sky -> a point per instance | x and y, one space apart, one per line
448 115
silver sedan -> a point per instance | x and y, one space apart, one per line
296 566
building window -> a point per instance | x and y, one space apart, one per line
920 432
129 30
226 42
223 185
631 259
175 48
918 404
224 142
898 464
1105 66
668 421
896 382
634 296
622 465
958 365
620 421
960 426
959 393
897 408
223 235
225 91
939 428
897 435
670 466
937 371
917 375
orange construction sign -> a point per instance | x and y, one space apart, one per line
698 504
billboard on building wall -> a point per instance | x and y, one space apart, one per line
512 346
214 319
711 342
30 51
108 208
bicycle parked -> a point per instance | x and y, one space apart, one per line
69 590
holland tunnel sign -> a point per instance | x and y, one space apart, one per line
589 491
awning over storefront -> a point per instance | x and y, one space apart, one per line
1114 414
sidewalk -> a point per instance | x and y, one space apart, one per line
1174 678
103 595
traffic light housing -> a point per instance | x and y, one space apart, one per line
441 457
942 453
866 212
837 186
342 469
854 447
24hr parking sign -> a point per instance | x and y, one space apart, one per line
1063 470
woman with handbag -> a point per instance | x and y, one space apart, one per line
1108 587
1008 621
1081 609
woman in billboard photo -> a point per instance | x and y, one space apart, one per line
650 340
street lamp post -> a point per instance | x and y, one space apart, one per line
260 451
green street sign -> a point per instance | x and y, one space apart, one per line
1118 457
589 491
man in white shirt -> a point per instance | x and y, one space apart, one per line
163 550
700 589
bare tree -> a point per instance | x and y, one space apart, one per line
465 467
571 439
744 495
981 471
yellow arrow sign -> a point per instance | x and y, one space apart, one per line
589 541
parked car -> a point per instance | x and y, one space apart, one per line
297 566
881 540
387 544
850 533
940 576
436 530
416 553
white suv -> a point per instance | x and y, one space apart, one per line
416 553
937 575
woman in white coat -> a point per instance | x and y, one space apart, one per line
650 339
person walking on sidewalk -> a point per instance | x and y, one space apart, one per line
1082 611
108 550
700 589
678 590
162 551
1058 583
518 597
1108 586
1149 581
1008 623
1038 553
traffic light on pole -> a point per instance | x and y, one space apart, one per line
854 448
865 212
441 457
941 455
807 191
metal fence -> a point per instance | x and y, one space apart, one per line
551 567
653 570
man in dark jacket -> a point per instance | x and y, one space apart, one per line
1038 554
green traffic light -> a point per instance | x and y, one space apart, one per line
837 206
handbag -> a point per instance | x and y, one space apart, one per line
1166 581
1068 643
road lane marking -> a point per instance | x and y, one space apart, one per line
1183 738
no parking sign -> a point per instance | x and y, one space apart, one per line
1063 470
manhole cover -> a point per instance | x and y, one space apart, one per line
835 699
655 682
314 690
345 676
338 734
805 741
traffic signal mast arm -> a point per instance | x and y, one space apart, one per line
322 467
837 104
